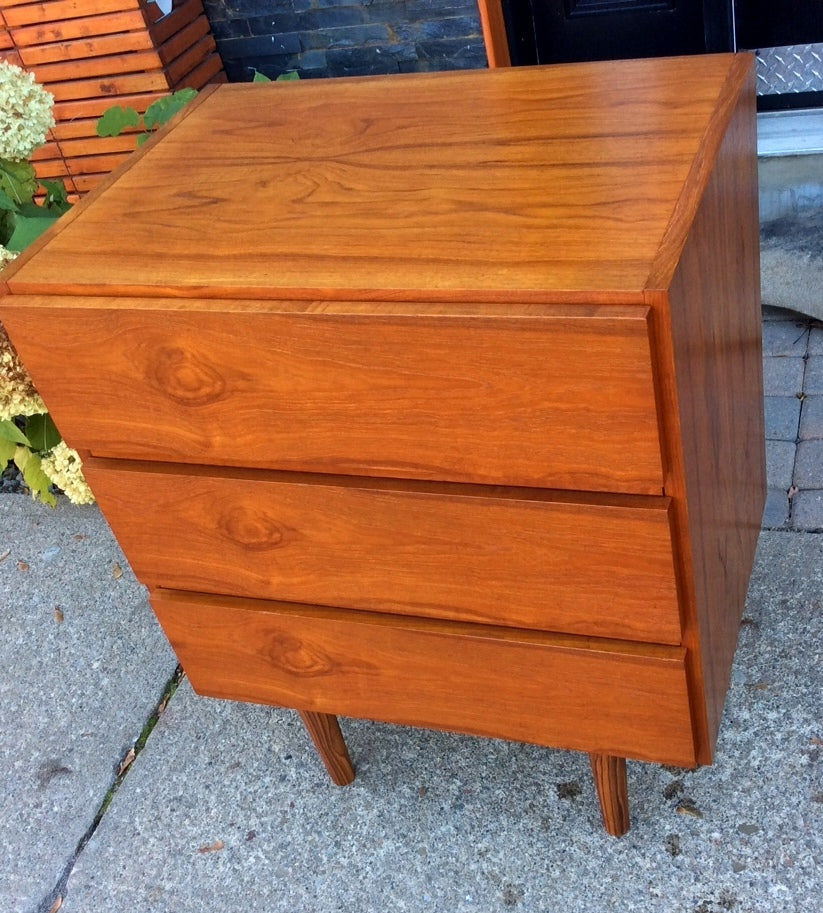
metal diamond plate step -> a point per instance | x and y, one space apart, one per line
793 68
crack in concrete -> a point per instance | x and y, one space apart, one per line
54 900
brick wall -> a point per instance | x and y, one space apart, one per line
345 38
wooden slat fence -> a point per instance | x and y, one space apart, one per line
92 54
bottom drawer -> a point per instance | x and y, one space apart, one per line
557 690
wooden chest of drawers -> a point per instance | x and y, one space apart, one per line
433 399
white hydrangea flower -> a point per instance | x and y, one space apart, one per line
18 395
65 468
26 114
6 256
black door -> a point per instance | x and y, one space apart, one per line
558 31
765 24
789 74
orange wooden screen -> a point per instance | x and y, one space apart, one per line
99 53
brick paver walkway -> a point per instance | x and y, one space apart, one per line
793 381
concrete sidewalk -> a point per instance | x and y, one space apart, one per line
226 807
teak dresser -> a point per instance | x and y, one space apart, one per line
433 399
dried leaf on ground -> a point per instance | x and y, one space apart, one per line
58 614
5 554
117 573
758 686
126 762
212 847
22 566
687 807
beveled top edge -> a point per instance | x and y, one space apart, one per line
582 167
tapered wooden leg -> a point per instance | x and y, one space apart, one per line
613 791
328 740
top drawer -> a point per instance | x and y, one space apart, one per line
536 395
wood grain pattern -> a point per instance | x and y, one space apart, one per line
92 67
46 32
30 13
578 187
208 72
511 557
100 46
494 33
109 86
91 55
183 14
83 128
456 351
88 145
94 108
12 57
196 34
612 791
714 411
328 740
507 395
627 701
95 46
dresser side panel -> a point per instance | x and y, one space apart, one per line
719 488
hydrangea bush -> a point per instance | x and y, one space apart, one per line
26 114
28 438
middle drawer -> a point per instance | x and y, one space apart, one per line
582 564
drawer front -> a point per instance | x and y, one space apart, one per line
561 692
516 557
558 397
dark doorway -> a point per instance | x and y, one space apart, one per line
560 31
787 37
766 24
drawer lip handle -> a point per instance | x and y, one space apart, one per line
573 643
388 483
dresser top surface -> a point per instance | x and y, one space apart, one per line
444 186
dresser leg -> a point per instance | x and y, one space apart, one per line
328 740
613 791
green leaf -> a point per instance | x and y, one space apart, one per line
7 449
17 180
30 210
28 228
7 217
42 432
260 77
56 196
115 120
291 76
10 432
30 465
164 109
142 138
6 202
